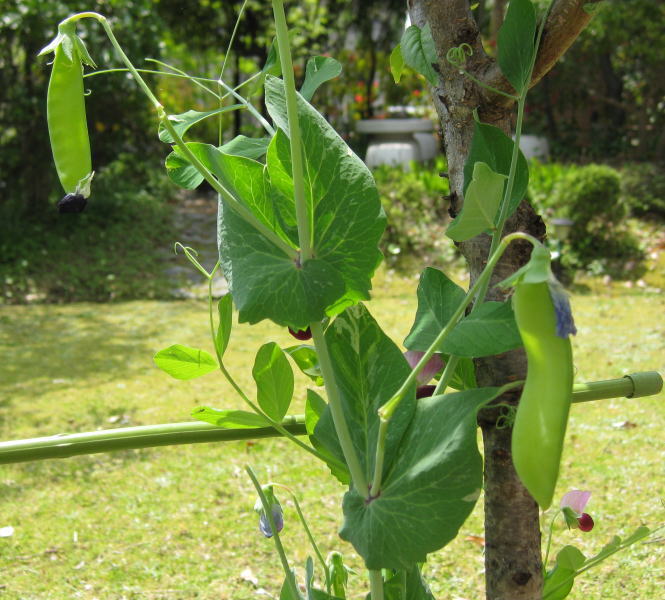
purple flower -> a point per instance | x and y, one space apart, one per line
573 504
433 366
276 509
565 325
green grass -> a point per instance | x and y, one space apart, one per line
178 522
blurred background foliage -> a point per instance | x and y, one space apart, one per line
603 103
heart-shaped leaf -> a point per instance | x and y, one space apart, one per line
274 381
182 122
319 69
516 43
419 52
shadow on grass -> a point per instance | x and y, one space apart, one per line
72 345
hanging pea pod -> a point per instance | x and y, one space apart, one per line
544 320
67 125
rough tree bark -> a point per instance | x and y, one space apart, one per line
513 569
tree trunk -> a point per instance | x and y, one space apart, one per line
513 567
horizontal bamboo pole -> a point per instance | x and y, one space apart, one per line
195 432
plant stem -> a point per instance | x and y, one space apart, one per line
447 375
303 215
387 410
312 541
278 542
337 411
241 210
549 541
375 585
196 432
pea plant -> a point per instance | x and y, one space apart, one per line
298 227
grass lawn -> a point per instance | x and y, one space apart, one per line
178 522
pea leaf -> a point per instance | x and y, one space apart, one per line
225 310
438 298
481 203
181 171
318 70
430 488
274 381
419 52
347 224
328 444
560 580
245 146
369 368
487 331
396 63
516 43
229 419
183 121
494 148
307 360
407 585
183 362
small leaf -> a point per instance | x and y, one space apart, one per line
516 43
487 331
229 419
396 63
465 375
183 121
183 362
241 145
181 171
225 310
325 440
558 583
438 298
273 66
570 557
307 360
419 52
481 203
493 147
319 69
274 381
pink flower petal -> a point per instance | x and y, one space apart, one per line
433 366
576 500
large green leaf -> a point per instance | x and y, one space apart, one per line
493 147
181 171
516 41
430 489
369 368
341 196
274 381
182 122
319 69
438 298
419 52
491 329
481 203
183 362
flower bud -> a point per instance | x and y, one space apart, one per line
276 511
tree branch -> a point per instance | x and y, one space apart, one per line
565 22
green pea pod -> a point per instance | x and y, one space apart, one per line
544 320
67 125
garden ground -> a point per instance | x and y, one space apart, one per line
178 522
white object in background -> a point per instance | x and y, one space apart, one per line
535 146
398 141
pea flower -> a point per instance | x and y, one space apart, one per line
433 366
572 505
276 510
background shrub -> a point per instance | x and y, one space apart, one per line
417 214
643 189
110 251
